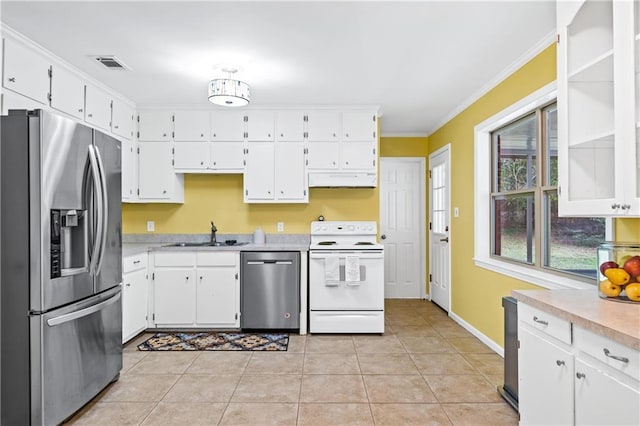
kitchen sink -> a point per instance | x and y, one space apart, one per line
228 243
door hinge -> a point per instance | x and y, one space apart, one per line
173 118
173 150
246 135
153 317
138 135
305 118
173 163
49 97
246 119
429 174
138 149
305 135
558 39
138 118
559 190
430 278
146 317
153 276
374 135
305 192
50 72
374 118
446 228
306 162
374 163
111 104
138 191
429 226
236 316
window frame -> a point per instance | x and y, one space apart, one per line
483 174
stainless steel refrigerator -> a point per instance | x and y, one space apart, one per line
61 266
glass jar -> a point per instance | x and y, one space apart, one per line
619 271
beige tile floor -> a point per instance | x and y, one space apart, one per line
425 369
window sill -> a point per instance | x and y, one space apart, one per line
532 276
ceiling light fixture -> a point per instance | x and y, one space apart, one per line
228 91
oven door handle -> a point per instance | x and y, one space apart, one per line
371 254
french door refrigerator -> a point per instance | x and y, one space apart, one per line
61 266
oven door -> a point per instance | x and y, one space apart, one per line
332 285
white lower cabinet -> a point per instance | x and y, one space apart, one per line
134 295
196 289
569 375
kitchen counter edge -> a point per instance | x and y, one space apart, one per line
129 249
615 320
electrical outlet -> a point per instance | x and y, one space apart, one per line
280 226
456 212
151 226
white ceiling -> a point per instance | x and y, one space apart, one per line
419 61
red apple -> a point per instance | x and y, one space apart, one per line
607 265
632 266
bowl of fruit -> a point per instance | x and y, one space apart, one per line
619 271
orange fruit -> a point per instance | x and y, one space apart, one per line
609 289
633 291
617 276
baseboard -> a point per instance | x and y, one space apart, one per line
483 338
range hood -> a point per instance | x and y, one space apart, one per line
342 180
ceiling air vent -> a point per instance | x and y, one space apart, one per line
110 62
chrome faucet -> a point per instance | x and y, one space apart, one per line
213 232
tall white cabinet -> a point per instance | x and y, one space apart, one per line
599 108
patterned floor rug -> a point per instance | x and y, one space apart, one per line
213 341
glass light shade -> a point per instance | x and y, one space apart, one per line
227 92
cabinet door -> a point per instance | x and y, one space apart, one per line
358 126
216 294
155 170
134 303
155 125
227 156
67 92
290 172
122 119
545 381
323 155
129 170
290 126
259 172
323 126
13 100
191 155
358 155
25 72
603 400
174 296
191 125
97 111
227 126
260 126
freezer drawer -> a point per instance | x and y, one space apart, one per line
270 290
75 352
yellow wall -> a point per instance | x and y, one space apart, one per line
476 292
219 198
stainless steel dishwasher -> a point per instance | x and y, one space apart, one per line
270 290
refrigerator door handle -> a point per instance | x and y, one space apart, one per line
52 322
97 243
105 208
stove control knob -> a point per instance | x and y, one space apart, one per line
351 227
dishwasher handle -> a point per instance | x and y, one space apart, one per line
274 262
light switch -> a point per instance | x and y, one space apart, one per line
151 226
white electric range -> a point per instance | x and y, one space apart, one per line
346 278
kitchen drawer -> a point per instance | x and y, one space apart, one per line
220 258
172 258
545 322
597 346
134 263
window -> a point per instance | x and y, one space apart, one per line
525 227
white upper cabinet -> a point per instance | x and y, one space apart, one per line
97 110
25 72
228 126
290 126
259 172
323 126
129 170
290 173
157 182
155 126
191 156
122 119
191 126
67 92
358 126
323 155
598 108
260 126
358 156
227 157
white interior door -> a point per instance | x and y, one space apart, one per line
439 218
402 226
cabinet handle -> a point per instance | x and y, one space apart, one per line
539 321
116 127
135 262
347 135
12 79
616 357
89 115
202 163
282 192
80 110
214 163
202 135
334 135
615 206
187 278
200 278
164 135
580 375
214 135
164 191
268 135
128 285
559 362
625 206
281 135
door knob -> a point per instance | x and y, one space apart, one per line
444 240
383 237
